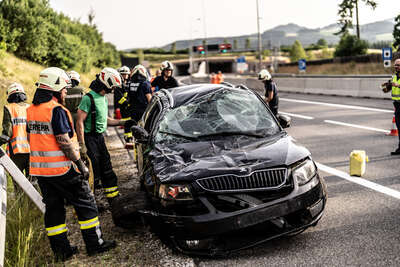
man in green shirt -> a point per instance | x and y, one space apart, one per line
92 123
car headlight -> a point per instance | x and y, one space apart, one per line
304 172
175 192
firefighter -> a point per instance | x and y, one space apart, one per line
219 77
121 101
92 121
271 91
213 78
14 128
74 94
61 174
165 81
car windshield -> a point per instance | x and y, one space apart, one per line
224 112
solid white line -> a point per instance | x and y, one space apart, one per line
379 188
335 105
357 126
298 116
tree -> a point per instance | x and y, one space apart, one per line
173 48
350 45
396 33
322 42
346 14
248 44
235 44
297 52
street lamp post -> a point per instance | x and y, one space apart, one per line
259 38
205 37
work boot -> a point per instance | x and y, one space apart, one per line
396 152
64 256
105 246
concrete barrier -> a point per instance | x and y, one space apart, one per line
346 85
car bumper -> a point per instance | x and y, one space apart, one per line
298 210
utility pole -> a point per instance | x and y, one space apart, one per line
358 24
259 38
205 38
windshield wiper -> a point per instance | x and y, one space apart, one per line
179 135
232 133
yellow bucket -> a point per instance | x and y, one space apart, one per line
358 160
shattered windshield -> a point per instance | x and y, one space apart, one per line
224 112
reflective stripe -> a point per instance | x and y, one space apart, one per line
18 138
5 137
128 134
89 223
19 120
47 153
110 189
40 127
125 119
122 100
56 230
50 164
112 194
20 146
74 96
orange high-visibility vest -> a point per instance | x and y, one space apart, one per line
213 78
46 158
18 143
219 78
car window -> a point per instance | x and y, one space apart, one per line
232 111
151 115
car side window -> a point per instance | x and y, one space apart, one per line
151 116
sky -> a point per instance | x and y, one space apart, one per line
153 23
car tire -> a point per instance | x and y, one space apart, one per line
125 209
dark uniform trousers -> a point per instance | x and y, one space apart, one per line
101 163
396 105
73 188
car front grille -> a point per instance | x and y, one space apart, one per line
258 180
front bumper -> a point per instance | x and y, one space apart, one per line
300 209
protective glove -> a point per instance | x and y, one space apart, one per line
83 150
82 168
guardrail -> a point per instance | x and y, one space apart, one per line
367 86
3 212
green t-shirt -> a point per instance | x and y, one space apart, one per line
101 104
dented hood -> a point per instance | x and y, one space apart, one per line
240 155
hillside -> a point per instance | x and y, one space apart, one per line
287 34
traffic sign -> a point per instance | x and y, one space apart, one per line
302 65
387 53
387 63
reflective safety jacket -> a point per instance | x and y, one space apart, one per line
396 90
18 142
219 78
46 158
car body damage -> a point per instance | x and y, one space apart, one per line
219 172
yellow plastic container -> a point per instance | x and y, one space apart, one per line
358 162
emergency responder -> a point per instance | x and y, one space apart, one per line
213 78
92 121
165 81
14 128
271 91
219 77
394 86
74 94
139 92
121 101
61 174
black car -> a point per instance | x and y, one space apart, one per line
218 172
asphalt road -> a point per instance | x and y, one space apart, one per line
361 225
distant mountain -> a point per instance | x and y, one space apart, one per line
287 34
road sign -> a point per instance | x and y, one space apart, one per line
302 65
241 59
387 53
387 63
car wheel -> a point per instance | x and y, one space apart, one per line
125 209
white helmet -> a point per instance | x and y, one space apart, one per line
15 88
110 78
54 79
73 75
141 70
166 65
124 70
264 75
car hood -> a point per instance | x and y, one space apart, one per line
186 162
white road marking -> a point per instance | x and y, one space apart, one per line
336 105
297 116
360 181
356 126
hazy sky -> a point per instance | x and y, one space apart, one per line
148 23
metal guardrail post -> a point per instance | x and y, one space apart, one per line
3 212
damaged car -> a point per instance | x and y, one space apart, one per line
219 173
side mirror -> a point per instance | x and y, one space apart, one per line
140 134
284 120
